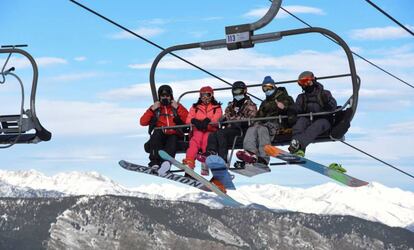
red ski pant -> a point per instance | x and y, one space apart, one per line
198 141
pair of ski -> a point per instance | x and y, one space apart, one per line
222 174
215 164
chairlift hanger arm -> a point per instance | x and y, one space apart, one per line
13 50
41 133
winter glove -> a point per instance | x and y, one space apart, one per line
197 123
204 123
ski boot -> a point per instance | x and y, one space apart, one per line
295 148
246 156
164 168
154 168
201 157
337 167
189 162
204 169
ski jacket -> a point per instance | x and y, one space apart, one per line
165 116
234 111
202 111
269 107
316 101
247 110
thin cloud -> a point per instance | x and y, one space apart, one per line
146 32
142 90
80 58
380 33
19 62
295 9
75 118
73 77
213 18
251 60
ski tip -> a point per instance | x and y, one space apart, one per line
271 150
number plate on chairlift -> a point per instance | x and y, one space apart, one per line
237 37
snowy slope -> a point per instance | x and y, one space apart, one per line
71 183
375 202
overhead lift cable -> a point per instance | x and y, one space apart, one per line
376 158
385 71
154 44
390 17
354 53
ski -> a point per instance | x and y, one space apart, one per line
227 200
169 176
314 166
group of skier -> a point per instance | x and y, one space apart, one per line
212 131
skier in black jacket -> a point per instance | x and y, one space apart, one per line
313 99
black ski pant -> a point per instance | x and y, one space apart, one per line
306 131
220 140
159 140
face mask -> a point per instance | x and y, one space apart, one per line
165 101
269 92
238 97
309 89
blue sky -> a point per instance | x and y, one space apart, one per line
93 83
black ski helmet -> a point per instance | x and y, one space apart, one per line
238 85
165 89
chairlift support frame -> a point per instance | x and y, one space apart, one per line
242 36
14 128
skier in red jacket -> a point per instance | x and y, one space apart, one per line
203 112
164 112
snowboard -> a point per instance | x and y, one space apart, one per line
227 200
218 168
314 166
170 176
249 169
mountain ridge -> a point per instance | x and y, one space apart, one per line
397 206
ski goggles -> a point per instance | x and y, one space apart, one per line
268 86
305 81
237 91
207 94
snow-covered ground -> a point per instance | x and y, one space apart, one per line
375 202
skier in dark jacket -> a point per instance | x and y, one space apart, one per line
313 99
277 102
164 112
240 108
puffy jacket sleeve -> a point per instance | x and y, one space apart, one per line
299 103
330 101
190 115
146 117
285 98
250 110
182 112
217 115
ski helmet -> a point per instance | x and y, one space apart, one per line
305 78
239 88
207 89
165 90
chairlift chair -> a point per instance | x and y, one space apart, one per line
24 127
242 36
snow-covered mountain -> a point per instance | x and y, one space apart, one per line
375 202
